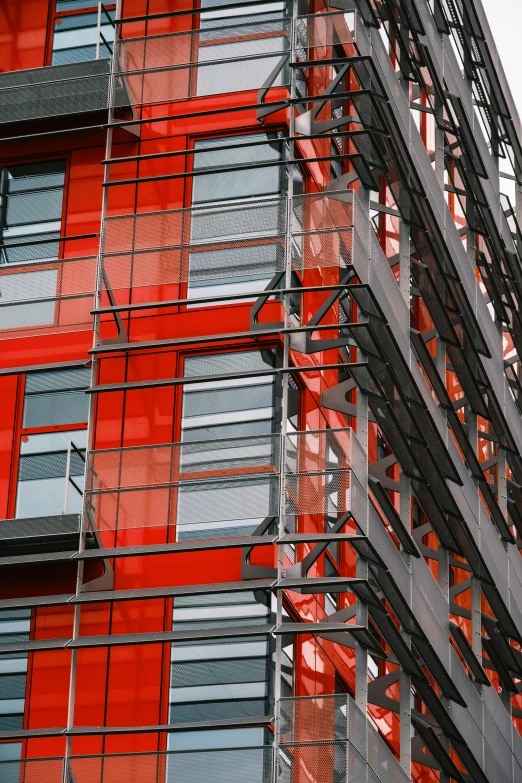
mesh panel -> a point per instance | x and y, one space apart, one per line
220 766
75 88
177 66
62 524
317 474
345 742
43 300
320 31
228 243
49 770
219 480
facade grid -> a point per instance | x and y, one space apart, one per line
260 373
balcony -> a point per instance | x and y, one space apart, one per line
210 61
323 738
46 297
39 534
57 91
223 488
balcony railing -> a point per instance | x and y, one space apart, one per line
156 252
58 91
208 61
40 297
222 488
328 738
323 739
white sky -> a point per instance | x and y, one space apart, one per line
505 20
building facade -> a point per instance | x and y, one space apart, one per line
261 395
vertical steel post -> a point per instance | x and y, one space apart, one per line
284 394
92 401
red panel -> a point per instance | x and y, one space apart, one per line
8 406
23 30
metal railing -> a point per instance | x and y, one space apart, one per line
221 488
324 739
45 296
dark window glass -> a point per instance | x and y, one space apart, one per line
52 398
75 36
14 626
32 201
219 678
228 425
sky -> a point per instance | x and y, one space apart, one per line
505 20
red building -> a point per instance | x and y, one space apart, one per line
249 533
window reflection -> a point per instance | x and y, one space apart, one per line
41 477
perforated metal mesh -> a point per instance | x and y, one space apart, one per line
220 766
330 733
46 770
75 88
47 296
177 66
61 524
317 472
239 242
211 481
318 33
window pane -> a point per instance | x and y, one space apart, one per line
56 397
224 766
236 268
75 37
214 679
34 200
15 289
238 184
14 626
220 738
42 469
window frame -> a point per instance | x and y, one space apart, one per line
184 286
29 161
89 8
19 431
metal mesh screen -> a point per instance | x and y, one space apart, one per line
75 88
332 738
320 31
177 66
47 296
239 242
221 766
212 481
43 770
62 524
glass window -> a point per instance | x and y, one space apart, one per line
237 184
14 626
32 202
52 398
41 474
16 312
76 35
228 426
222 756
56 397
256 30
218 679
237 232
